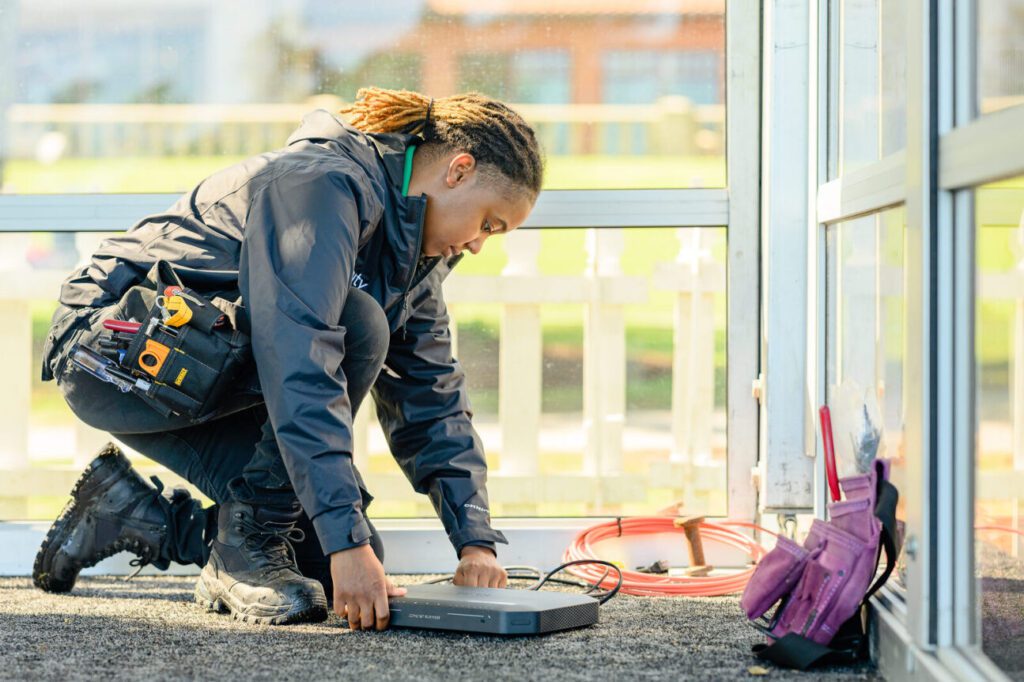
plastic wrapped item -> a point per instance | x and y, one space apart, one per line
858 428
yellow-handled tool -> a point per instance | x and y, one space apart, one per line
178 310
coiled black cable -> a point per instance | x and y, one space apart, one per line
540 578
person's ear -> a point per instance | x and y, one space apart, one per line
460 168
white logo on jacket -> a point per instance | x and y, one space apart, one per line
358 282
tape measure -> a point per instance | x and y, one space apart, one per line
152 357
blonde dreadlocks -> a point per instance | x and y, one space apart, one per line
493 133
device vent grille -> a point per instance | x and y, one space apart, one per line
569 617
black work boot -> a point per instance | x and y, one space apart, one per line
112 509
251 572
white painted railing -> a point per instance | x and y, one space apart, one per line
520 291
669 126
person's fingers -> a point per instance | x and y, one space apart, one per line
394 590
502 578
366 621
382 610
352 614
339 604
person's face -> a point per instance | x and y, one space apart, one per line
464 207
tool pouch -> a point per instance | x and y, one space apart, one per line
192 354
823 586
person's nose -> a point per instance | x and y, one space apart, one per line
477 244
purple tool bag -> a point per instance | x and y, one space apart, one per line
822 586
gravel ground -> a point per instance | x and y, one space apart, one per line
150 629
1002 610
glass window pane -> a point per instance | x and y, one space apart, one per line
43 441
872 73
123 97
609 398
626 409
1000 60
999 395
865 342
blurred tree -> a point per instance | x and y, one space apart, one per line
77 91
157 93
297 70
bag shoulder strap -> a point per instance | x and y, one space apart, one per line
885 510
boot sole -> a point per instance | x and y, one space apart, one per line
66 522
213 597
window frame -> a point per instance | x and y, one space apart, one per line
930 630
737 207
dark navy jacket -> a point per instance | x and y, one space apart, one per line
291 231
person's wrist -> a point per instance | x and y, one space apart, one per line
470 550
351 552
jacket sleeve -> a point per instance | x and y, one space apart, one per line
424 410
302 233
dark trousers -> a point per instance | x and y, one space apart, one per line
233 453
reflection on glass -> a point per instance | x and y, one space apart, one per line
595 361
142 96
872 81
865 342
1000 59
999 394
613 405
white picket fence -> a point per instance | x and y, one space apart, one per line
669 126
520 291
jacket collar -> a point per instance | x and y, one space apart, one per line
403 221
392 148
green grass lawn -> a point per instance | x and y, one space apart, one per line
177 174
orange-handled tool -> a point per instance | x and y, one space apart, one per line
152 357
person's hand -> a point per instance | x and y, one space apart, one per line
479 567
361 589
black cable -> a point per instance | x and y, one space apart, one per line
540 578
602 597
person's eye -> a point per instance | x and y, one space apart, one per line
487 227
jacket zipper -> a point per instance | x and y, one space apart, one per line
409 286
416 279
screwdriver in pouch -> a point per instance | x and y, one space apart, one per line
106 370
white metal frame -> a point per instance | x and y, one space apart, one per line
864 191
786 468
930 630
556 209
743 150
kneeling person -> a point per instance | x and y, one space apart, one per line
337 246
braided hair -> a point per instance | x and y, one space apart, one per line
493 133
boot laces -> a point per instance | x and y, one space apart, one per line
145 552
272 539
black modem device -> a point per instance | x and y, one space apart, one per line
491 611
